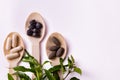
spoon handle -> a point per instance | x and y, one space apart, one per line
60 75
36 51
11 71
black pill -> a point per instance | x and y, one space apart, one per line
37 35
52 55
31 27
56 41
36 30
33 22
38 25
60 52
54 48
29 32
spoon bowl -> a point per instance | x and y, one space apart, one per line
35 16
14 62
49 43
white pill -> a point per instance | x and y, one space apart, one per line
8 43
12 56
16 49
14 40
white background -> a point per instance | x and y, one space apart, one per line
90 27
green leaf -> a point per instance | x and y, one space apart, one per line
38 68
61 61
23 76
31 65
73 60
30 59
44 77
70 64
62 66
74 78
55 74
45 63
49 75
10 77
55 68
38 71
27 54
23 69
37 75
78 70
41 73
35 79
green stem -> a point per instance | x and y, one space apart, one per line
67 75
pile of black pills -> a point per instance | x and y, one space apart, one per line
34 29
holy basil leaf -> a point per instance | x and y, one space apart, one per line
49 75
74 78
30 59
44 77
38 75
38 68
23 69
23 76
45 63
41 73
22 79
38 72
55 68
61 60
35 79
31 65
62 66
70 64
55 74
27 54
73 60
10 77
78 70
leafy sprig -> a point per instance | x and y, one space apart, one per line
41 73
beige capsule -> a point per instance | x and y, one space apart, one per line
9 43
14 40
12 56
16 49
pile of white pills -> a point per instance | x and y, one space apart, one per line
12 45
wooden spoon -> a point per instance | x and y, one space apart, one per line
36 41
50 43
14 62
